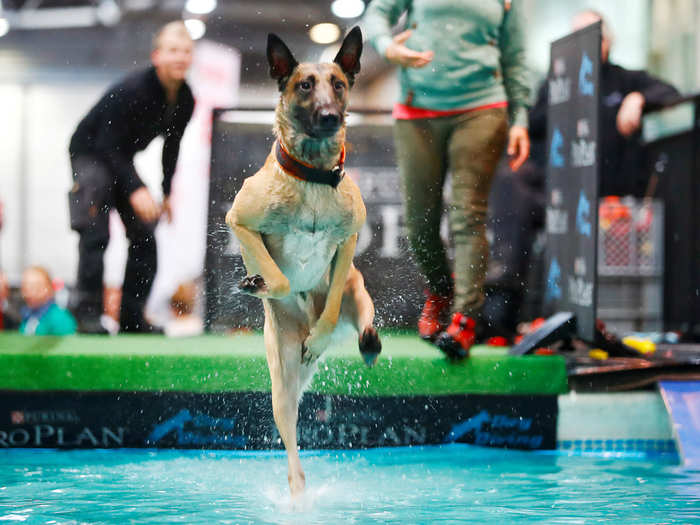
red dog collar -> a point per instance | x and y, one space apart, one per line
308 173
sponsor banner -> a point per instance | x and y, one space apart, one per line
243 420
572 178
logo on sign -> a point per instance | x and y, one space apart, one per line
197 429
557 218
585 83
583 213
553 281
32 417
559 85
580 291
497 430
556 159
582 150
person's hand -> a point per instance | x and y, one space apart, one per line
399 54
167 209
629 116
144 205
518 146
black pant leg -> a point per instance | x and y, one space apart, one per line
90 201
141 266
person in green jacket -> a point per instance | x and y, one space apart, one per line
41 315
464 95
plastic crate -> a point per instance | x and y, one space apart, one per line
630 237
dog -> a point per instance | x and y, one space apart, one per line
297 220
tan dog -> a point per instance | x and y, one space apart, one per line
297 220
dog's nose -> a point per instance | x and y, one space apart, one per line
329 119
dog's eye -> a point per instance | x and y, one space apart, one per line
338 85
304 85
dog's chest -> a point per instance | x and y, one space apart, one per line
318 212
302 232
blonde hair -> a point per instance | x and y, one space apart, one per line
43 272
177 27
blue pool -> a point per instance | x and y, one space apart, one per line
455 483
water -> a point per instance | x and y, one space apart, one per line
450 484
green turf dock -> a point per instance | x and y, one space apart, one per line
218 363
214 392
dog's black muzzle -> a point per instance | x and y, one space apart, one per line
327 122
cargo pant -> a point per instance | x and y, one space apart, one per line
93 195
469 146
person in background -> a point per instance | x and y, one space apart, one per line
625 94
184 321
152 102
464 95
112 298
9 317
9 320
41 315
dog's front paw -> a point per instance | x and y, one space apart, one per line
307 357
370 346
253 285
317 341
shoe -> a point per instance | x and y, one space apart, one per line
432 318
496 340
459 337
91 326
143 327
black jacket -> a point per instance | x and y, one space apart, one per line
622 167
126 119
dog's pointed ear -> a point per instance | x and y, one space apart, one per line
348 58
281 61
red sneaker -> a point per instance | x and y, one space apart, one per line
496 340
458 338
432 318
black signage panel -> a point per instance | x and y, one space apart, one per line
243 420
572 177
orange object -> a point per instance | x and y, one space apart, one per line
430 323
459 337
544 351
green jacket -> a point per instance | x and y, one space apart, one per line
479 52
55 321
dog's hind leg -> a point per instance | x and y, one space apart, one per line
357 306
283 349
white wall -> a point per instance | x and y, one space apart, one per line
37 122
11 104
549 20
35 166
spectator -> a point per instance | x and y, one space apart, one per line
625 94
9 320
9 317
112 298
155 101
182 304
462 76
41 315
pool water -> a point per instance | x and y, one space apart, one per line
454 483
